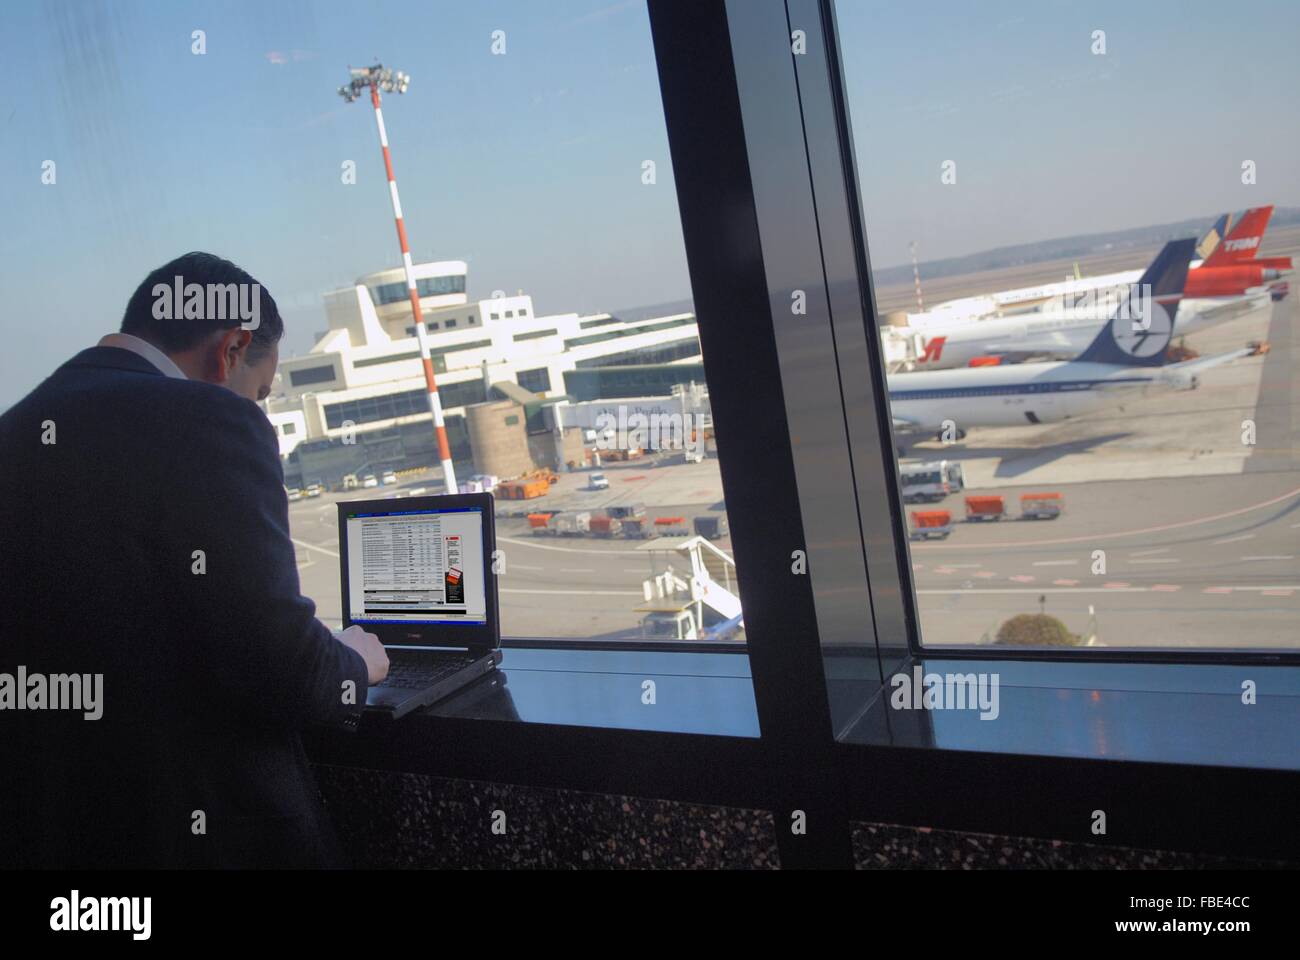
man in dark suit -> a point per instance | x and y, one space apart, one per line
146 539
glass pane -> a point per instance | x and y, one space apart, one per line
1098 441
565 347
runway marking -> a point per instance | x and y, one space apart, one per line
579 593
1147 553
1054 563
964 566
1093 537
1022 578
312 546
1244 536
1065 583
1275 593
985 574
1251 559
1158 560
547 546
1286 587
1165 588
1119 585
576 570
1034 590
524 566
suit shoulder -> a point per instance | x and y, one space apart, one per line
220 410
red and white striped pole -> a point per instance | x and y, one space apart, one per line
431 384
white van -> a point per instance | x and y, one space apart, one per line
930 481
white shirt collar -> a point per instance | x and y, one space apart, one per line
144 348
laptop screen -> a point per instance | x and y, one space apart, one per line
417 566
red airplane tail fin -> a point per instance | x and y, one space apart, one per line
1242 241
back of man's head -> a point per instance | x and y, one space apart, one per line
176 317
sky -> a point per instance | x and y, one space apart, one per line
529 164
1052 140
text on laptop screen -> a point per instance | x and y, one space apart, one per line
417 566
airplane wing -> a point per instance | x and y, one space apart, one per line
1193 368
1238 306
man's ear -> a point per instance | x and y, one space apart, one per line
233 349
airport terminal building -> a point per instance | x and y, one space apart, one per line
356 402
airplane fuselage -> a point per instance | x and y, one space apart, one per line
1064 334
1015 395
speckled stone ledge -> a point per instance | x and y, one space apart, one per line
395 820
879 846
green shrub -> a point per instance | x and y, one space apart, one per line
1036 630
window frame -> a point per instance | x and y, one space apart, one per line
798 764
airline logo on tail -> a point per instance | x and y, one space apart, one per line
1240 241
933 350
1210 242
1141 327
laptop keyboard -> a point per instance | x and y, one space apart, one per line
411 673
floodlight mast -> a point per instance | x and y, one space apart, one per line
378 78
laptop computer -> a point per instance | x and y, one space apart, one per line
417 573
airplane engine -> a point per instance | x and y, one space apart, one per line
1183 380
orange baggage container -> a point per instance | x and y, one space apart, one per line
927 524
985 507
539 521
605 526
1041 506
667 525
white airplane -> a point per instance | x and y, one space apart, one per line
1126 358
1065 333
1060 320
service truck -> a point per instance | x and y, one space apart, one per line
931 481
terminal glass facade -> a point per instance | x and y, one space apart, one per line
386 293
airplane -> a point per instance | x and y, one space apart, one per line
1239 245
1230 267
1064 334
1127 358
1217 291
1226 244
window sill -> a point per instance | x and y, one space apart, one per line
1181 714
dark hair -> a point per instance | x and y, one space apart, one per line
173 331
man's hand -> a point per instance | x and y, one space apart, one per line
371 650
